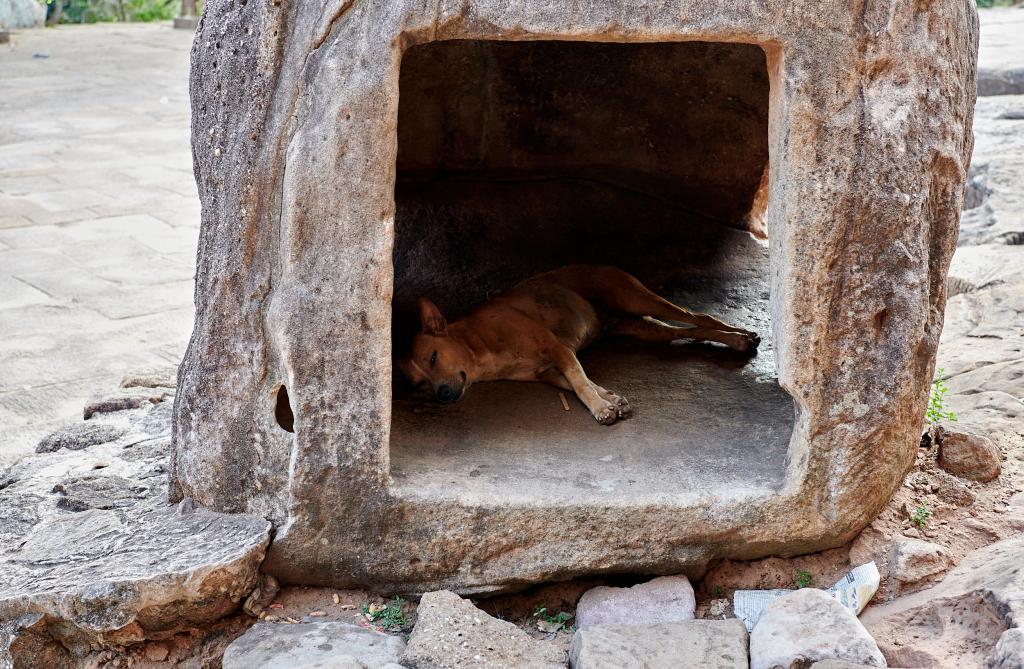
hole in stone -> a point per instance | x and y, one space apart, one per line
519 157
283 410
881 318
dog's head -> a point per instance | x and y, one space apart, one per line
436 359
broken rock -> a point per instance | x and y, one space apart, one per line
325 645
966 451
911 560
662 600
691 644
451 633
807 626
80 435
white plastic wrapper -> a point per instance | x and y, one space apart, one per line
852 591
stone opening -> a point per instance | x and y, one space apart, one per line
283 410
518 157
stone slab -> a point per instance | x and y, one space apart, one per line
694 644
326 645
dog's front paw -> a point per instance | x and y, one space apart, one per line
624 409
607 414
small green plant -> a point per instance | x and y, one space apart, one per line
804 579
718 591
386 617
920 516
551 623
937 401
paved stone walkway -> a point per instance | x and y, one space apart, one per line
98 216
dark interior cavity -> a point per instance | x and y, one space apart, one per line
518 157
283 410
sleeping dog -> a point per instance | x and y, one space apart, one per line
533 332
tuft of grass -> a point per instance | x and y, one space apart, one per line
985 4
386 617
920 516
551 623
804 579
936 410
718 592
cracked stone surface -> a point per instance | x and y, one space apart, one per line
92 554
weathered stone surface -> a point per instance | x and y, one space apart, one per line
325 645
983 595
839 664
16 14
911 560
1000 71
1009 651
693 644
806 626
80 435
966 451
869 142
451 633
129 398
151 377
662 600
91 554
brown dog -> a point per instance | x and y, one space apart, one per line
533 331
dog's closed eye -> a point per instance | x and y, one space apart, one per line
433 359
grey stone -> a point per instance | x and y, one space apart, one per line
694 644
99 492
847 175
451 633
123 566
321 645
15 14
966 451
662 600
1009 651
80 435
165 376
1008 81
839 664
806 626
910 560
129 398
986 590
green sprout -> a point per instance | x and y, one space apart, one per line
937 401
551 623
386 617
920 516
804 579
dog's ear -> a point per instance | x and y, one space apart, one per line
431 319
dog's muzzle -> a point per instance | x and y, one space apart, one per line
446 394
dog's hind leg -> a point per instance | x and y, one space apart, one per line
650 329
623 292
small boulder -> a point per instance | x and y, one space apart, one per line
966 451
1009 651
151 377
690 644
807 626
910 560
662 600
80 435
324 645
127 398
451 633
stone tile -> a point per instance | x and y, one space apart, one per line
111 299
15 293
35 237
139 226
